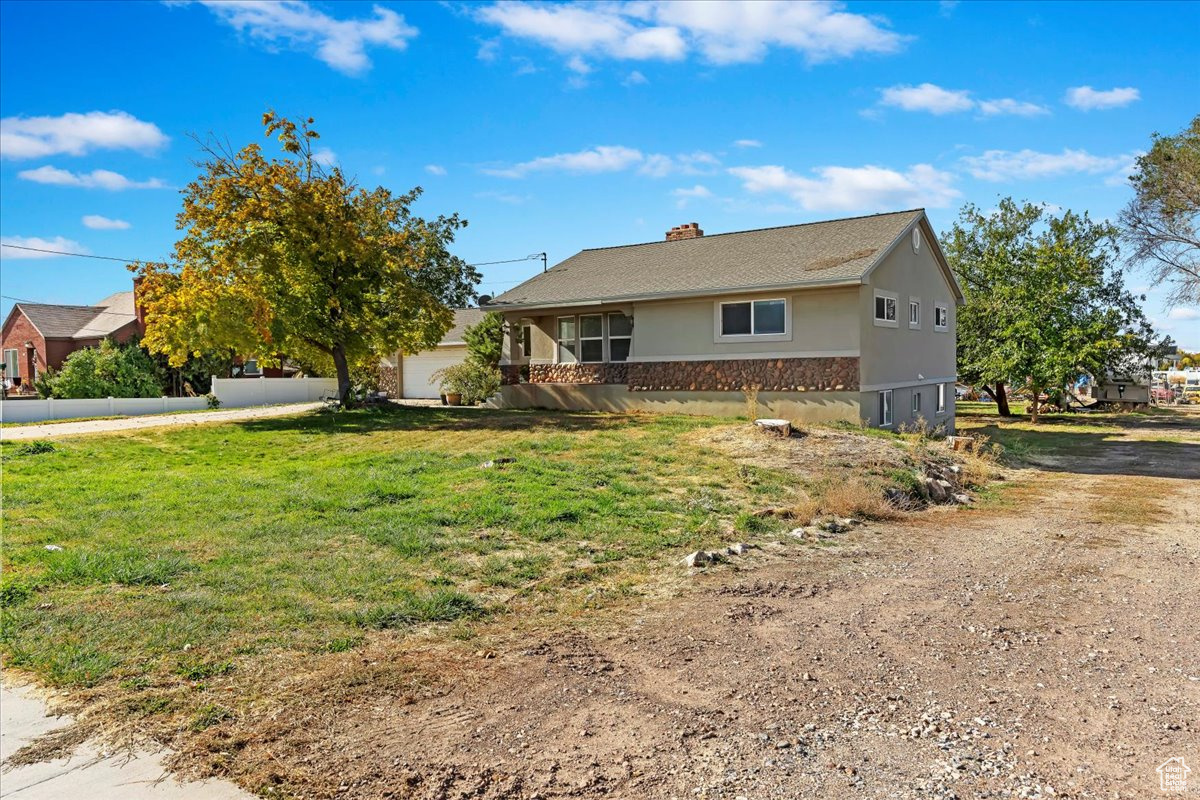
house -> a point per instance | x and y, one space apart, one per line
850 319
40 335
412 376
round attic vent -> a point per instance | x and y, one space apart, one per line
916 240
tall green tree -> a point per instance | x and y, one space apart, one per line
1046 300
1162 222
485 339
280 255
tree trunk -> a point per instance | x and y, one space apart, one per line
1033 405
343 373
1001 396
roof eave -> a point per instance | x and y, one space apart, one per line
646 297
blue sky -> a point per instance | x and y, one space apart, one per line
554 128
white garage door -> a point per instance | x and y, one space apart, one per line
417 371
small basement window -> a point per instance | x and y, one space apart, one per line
754 318
941 398
885 408
916 401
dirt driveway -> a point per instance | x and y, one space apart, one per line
1043 649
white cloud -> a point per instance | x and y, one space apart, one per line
867 188
96 179
721 31
1008 165
99 223
697 192
503 197
57 243
927 97
1183 312
747 143
946 7
606 158
77 134
935 99
578 65
489 49
635 78
698 163
325 157
435 169
1007 105
342 44
1085 98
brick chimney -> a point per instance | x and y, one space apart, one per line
138 311
689 230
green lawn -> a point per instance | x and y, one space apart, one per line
186 552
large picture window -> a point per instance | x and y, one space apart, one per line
754 318
567 346
591 338
620 336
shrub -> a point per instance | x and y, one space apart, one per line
473 380
485 339
35 448
110 370
213 400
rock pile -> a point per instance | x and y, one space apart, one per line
702 558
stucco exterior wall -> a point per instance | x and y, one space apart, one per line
800 407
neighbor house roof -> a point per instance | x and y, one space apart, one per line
463 318
812 254
81 322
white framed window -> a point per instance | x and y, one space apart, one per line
914 313
567 346
752 318
916 240
12 364
941 398
885 408
941 318
591 338
250 367
916 401
620 336
526 341
885 309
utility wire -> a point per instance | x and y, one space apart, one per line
78 255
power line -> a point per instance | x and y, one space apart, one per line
529 257
77 255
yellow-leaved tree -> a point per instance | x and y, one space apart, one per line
285 256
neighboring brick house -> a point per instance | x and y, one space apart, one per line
40 335
850 319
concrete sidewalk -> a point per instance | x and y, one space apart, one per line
89 772
50 430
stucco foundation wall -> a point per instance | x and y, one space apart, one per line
902 415
796 406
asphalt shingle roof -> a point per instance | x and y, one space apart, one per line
81 322
463 318
813 253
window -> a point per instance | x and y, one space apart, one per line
566 340
250 367
526 341
916 240
591 338
941 398
620 336
916 401
12 368
941 318
914 313
885 408
885 310
754 318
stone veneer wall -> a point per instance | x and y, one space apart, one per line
579 373
769 374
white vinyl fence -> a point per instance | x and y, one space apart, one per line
232 392
23 410
240 392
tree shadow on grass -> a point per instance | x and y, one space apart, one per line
1063 448
393 417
